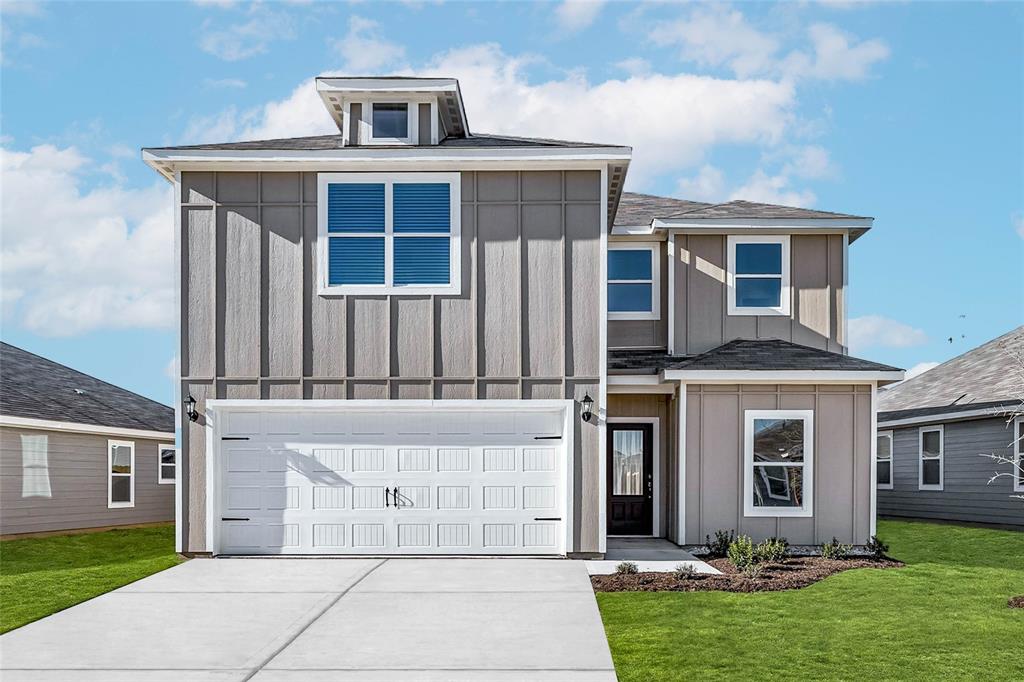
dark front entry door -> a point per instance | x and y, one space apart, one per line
630 479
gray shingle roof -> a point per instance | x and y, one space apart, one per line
742 354
327 142
34 387
641 209
991 372
995 408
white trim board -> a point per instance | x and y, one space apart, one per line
72 427
655 466
805 376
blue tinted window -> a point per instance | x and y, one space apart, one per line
355 207
422 260
629 298
629 264
758 292
422 207
390 120
759 259
356 260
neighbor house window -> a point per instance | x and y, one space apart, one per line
930 464
168 455
120 473
1018 455
883 457
634 288
779 462
390 121
389 233
758 275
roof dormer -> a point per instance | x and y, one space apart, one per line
394 111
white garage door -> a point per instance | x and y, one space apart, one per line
400 479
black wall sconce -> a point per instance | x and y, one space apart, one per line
190 408
588 407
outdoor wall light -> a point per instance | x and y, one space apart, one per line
190 408
588 406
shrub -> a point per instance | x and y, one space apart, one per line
627 568
835 550
684 572
719 547
877 548
741 552
752 571
771 551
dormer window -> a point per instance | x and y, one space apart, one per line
390 121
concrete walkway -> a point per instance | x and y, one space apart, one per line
228 620
655 555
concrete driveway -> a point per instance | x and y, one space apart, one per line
226 620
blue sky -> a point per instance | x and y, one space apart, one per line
912 113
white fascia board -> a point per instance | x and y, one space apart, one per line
389 154
71 427
635 379
809 376
984 413
389 405
632 230
329 84
723 224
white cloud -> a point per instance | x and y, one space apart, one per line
171 369
920 368
810 162
84 258
773 189
718 36
23 8
248 38
877 331
576 15
634 66
222 83
363 50
707 185
1018 223
836 56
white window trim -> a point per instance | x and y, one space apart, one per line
885 486
411 109
784 301
110 475
807 509
941 457
454 287
655 282
1018 456
160 466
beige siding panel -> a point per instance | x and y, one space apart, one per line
455 316
283 292
280 188
368 390
680 277
705 302
499 390
281 390
582 186
238 390
542 289
498 278
197 188
238 233
410 390
837 295
194 441
423 127
325 390
355 115
497 187
238 188
199 308
802 530
368 336
454 390
586 478
811 305
582 289
323 318
542 186
412 343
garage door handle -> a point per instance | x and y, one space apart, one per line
234 518
547 438
387 501
547 518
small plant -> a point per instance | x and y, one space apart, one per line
752 571
877 548
771 551
684 572
741 552
627 568
719 547
835 550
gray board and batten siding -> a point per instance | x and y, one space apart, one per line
526 324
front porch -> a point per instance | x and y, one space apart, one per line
655 555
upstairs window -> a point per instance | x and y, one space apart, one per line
389 233
758 276
778 455
930 462
390 121
634 289
883 458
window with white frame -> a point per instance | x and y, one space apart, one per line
778 453
634 286
930 457
758 275
389 233
883 460
390 121
1018 455
167 457
120 474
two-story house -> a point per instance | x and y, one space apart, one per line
405 338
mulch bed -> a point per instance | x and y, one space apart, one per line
1016 602
790 575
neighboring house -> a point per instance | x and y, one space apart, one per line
77 452
934 429
406 338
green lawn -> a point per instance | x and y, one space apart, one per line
39 576
942 617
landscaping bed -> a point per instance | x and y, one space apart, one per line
790 574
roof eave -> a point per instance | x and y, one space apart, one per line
783 376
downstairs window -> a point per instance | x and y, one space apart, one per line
883 460
778 462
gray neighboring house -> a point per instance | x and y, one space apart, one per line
933 429
77 452
407 338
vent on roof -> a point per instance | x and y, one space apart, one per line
79 391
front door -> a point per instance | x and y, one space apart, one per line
630 479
